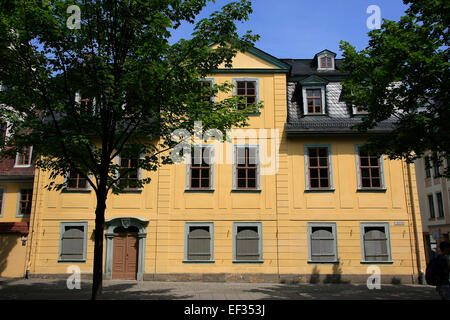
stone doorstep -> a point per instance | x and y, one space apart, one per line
256 278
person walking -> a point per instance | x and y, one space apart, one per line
438 270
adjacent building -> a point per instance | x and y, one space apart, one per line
434 198
290 198
16 201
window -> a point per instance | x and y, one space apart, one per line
76 182
23 159
85 105
314 101
369 171
359 111
431 206
440 204
427 167
325 62
437 172
318 175
2 200
247 242
247 89
322 242
25 201
375 242
246 168
3 132
199 242
73 241
206 84
200 168
129 171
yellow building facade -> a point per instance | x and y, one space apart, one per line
266 211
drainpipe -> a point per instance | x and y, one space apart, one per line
32 226
416 231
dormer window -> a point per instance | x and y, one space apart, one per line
325 60
326 63
313 92
359 111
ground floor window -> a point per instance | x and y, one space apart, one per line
73 240
375 242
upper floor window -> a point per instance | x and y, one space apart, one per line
25 201
246 168
206 83
370 170
76 182
431 206
440 205
129 171
23 158
427 161
314 101
200 169
326 62
318 168
248 89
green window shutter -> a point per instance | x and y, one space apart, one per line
72 243
322 244
247 243
199 243
375 244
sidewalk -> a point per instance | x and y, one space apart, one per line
44 289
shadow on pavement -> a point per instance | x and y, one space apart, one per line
346 292
20 289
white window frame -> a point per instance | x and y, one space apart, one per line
305 100
29 160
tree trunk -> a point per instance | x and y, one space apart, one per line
97 285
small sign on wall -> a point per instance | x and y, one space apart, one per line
399 223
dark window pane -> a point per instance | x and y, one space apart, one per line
314 183
241 183
314 173
195 183
324 183
251 183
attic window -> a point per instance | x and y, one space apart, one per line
326 63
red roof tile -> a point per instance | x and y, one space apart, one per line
14 227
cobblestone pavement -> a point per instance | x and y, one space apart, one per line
45 289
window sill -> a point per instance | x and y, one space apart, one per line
441 218
432 219
71 261
323 262
246 190
132 191
319 190
377 262
75 191
381 190
199 190
198 261
249 261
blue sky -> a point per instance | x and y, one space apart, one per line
301 28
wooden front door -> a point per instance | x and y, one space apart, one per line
125 255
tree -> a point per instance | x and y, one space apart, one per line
403 75
135 87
